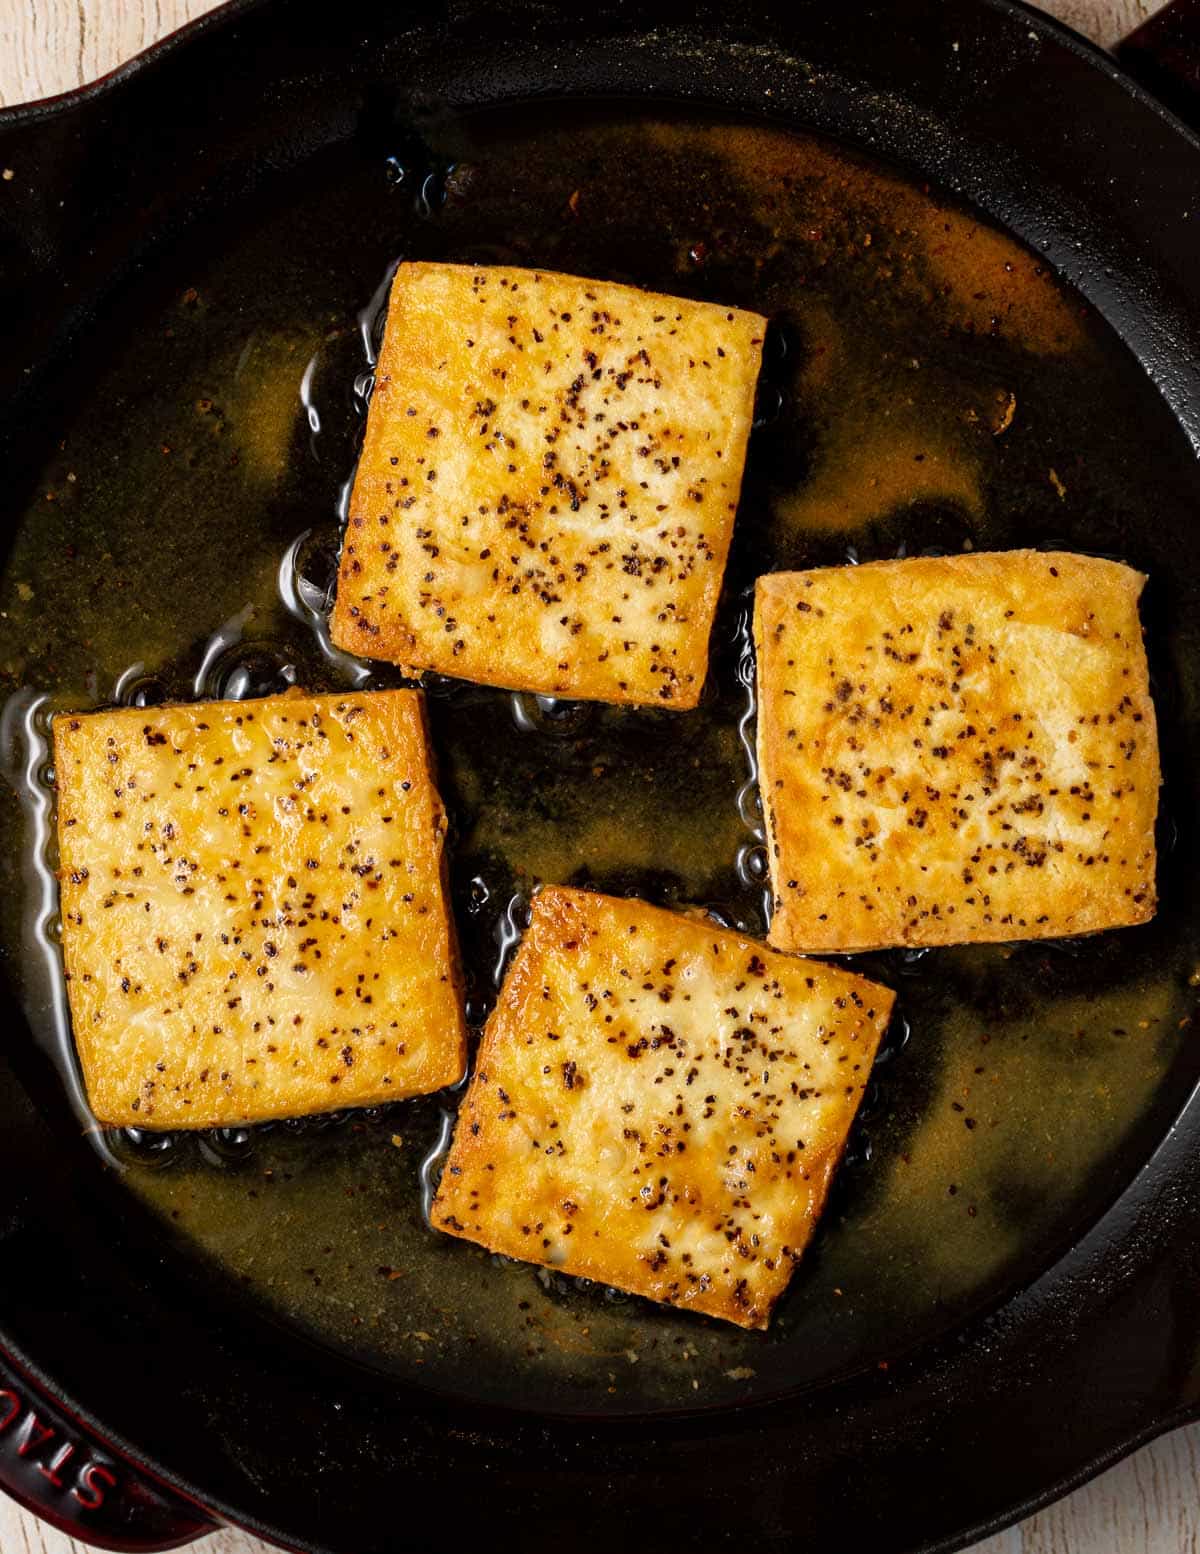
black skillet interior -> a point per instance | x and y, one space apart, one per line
122 207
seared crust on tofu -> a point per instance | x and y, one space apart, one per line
955 748
254 910
659 1104
548 483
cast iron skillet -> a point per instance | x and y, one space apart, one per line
199 1415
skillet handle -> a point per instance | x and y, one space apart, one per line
56 1468
1163 54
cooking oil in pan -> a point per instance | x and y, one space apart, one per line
928 386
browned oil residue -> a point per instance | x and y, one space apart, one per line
888 438
934 256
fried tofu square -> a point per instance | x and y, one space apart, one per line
659 1104
955 749
548 483
254 911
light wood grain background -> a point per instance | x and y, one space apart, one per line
1150 1504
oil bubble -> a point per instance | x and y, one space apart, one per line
251 669
453 691
749 807
141 1147
726 916
315 566
308 403
149 692
752 864
307 576
523 716
226 1146
908 962
768 405
550 715
373 317
364 387
433 194
136 688
508 935
476 1011
749 800
777 346
896 1038
433 1163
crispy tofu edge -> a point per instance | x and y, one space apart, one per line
560 901
414 705
787 929
441 821
396 644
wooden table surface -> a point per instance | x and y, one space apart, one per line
1149 1504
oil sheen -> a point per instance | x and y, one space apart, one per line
929 385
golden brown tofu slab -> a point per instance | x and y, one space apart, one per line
254 915
955 748
548 483
659 1104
